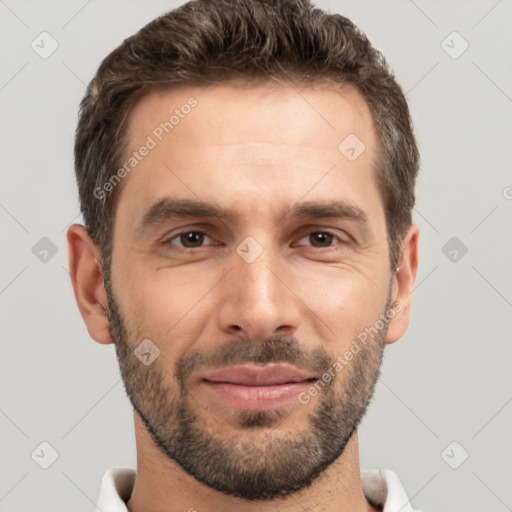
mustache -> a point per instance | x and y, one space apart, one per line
276 349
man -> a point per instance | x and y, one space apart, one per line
246 173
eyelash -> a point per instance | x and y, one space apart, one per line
168 241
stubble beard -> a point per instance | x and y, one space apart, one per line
261 461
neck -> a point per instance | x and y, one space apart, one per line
162 485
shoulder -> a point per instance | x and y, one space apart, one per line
116 488
383 488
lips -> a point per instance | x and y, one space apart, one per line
254 388
252 375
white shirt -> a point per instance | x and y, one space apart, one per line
381 486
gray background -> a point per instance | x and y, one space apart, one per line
448 379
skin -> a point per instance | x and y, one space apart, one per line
253 149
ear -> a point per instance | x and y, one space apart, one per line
403 284
87 280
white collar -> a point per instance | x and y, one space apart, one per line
381 486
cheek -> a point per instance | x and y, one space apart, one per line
169 305
347 302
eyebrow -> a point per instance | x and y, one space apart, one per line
168 208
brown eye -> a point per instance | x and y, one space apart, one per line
322 239
188 239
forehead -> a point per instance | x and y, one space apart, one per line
244 113
260 142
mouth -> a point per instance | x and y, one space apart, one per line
254 387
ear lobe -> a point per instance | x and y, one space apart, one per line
88 284
402 285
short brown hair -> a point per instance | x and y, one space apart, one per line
212 42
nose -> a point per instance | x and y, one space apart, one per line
257 299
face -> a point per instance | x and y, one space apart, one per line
252 252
